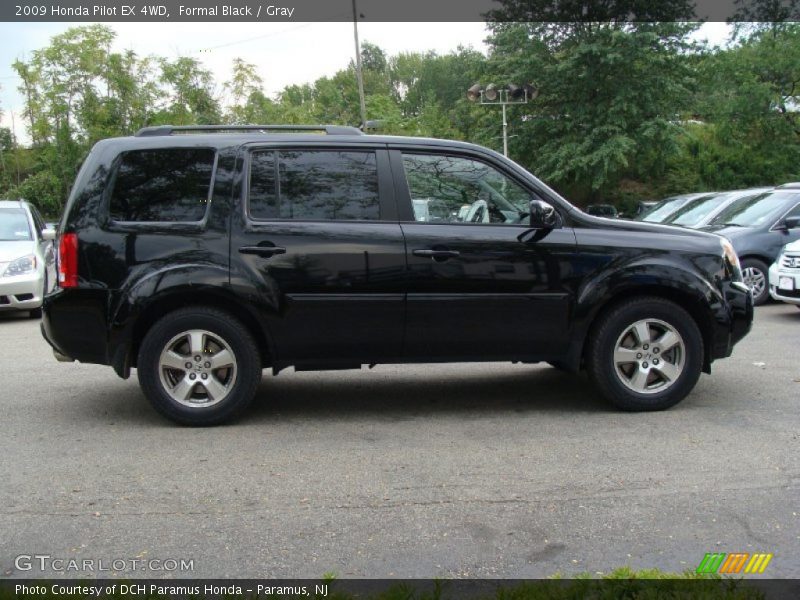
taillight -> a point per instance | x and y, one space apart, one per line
68 260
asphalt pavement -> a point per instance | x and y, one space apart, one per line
463 470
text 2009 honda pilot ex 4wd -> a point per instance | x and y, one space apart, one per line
200 256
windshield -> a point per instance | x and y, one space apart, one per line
754 211
663 209
14 225
696 210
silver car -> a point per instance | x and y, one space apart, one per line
27 257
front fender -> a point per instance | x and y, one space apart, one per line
680 281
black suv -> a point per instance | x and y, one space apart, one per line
202 255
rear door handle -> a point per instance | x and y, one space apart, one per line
265 251
437 254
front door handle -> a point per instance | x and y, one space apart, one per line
437 254
265 251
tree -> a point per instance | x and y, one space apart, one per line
190 96
610 102
245 83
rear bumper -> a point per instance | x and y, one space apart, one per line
73 323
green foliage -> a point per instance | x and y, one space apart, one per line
610 95
43 186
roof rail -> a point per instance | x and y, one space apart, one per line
161 130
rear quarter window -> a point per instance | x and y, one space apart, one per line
163 185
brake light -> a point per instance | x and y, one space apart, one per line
68 260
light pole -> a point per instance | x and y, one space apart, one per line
359 76
492 95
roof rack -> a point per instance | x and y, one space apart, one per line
161 130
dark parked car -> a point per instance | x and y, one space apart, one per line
758 227
201 256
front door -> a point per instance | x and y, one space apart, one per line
481 284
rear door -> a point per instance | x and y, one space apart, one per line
480 284
318 237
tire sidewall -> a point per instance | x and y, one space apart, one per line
248 368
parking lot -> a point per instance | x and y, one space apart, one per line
492 470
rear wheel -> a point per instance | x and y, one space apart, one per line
199 366
756 275
646 354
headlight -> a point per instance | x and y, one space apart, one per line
732 259
21 266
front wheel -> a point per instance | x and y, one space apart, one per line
199 366
756 275
647 354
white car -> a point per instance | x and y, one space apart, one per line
27 257
784 275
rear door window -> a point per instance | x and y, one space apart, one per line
314 185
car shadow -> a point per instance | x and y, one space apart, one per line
15 315
400 395
349 395
791 314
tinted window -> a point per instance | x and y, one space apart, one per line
454 189
162 185
314 185
14 225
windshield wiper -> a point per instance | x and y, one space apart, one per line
732 224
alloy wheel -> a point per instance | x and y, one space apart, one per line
197 368
649 356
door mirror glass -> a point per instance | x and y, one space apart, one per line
543 215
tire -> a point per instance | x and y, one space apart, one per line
36 313
756 276
198 392
641 381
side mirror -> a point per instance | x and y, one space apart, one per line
48 234
543 215
791 222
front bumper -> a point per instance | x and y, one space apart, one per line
734 318
21 292
790 296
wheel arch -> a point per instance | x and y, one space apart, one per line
126 354
697 309
756 256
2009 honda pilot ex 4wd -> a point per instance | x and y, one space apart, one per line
200 256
